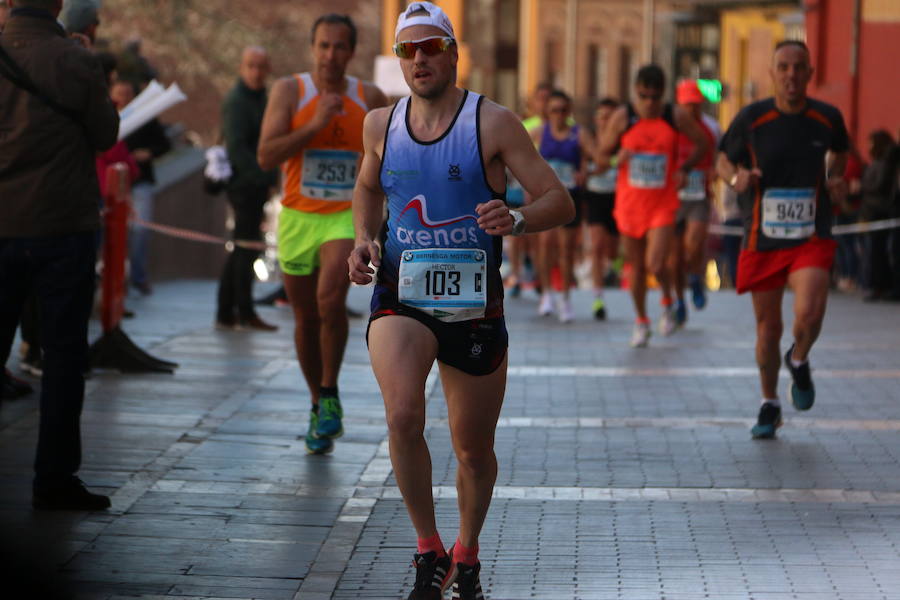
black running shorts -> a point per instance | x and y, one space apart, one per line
476 347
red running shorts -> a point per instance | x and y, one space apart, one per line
764 270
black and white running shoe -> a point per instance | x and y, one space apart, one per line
467 585
433 576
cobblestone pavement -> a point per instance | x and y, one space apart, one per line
624 474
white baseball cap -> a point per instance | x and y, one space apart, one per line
436 17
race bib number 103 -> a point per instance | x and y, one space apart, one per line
448 284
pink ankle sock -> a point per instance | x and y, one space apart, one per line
432 544
466 556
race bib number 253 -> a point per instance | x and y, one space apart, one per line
329 174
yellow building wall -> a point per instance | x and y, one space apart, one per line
748 38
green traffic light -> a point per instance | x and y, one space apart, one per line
711 89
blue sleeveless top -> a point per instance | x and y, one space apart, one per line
432 189
564 156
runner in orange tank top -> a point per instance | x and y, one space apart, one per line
313 129
641 139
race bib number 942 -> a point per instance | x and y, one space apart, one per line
647 171
789 213
448 284
329 174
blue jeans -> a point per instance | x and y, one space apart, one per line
142 202
60 271
847 258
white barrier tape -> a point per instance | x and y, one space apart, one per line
836 230
197 236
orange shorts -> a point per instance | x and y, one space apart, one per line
636 223
764 270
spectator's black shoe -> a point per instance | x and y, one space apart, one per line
802 390
433 576
72 496
467 585
767 422
254 323
33 366
14 388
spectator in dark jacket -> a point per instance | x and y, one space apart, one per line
878 182
146 144
48 221
248 190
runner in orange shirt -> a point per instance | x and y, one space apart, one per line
641 139
313 128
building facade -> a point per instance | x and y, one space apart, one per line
853 44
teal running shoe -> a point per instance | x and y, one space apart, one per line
801 388
330 414
767 422
315 444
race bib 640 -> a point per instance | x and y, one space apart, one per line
647 171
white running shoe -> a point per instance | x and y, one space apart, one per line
667 322
640 335
566 314
546 306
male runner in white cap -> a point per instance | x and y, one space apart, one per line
439 156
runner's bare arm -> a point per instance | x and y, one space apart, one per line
689 126
277 143
586 142
505 143
609 139
727 171
836 166
368 199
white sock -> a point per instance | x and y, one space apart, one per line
797 363
772 401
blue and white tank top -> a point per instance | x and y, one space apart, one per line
435 257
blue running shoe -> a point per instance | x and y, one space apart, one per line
801 389
698 292
680 313
767 422
315 444
330 414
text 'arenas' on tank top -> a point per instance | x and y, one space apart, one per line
436 259
320 178
648 176
563 156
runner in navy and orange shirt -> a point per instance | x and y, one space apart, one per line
642 139
785 157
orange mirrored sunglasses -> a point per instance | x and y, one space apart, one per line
430 46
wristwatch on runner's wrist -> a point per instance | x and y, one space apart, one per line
733 181
518 227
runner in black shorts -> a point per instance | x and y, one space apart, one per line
599 196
